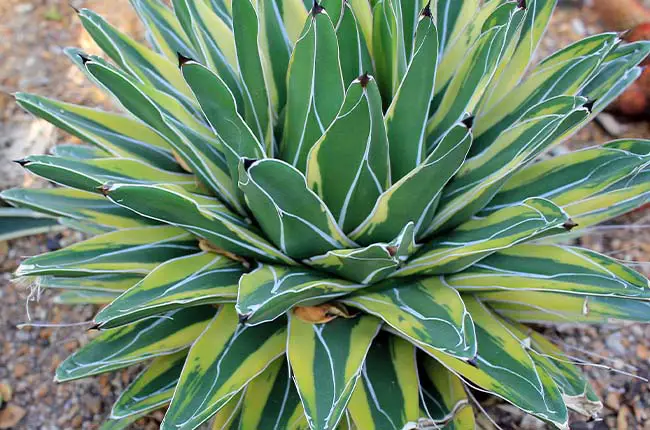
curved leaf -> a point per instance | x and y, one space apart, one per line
15 223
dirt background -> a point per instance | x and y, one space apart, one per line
32 36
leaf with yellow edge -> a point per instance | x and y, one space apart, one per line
229 355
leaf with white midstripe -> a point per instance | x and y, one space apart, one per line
78 151
269 291
15 223
315 88
396 207
115 134
371 264
476 239
77 205
293 217
77 297
152 389
123 347
327 360
388 46
90 175
197 279
348 167
206 217
229 355
504 368
353 49
110 283
552 268
444 398
386 396
135 250
483 175
408 113
425 311
271 401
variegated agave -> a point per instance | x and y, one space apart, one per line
329 215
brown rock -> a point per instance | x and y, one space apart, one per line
613 400
5 393
20 370
10 416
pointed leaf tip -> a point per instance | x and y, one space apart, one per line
248 162
468 122
427 10
570 225
590 105
317 8
23 162
182 59
521 4
84 58
364 80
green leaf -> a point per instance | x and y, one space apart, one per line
230 356
481 237
552 269
121 424
293 217
115 134
546 307
152 389
408 113
90 175
186 281
444 397
327 360
396 207
371 264
314 87
269 291
425 311
387 395
116 349
135 250
353 48
504 368
15 223
78 151
107 283
203 216
227 418
388 46
77 297
220 109
257 101
76 205
272 401
348 167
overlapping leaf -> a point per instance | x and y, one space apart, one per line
15 223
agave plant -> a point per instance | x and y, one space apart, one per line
338 215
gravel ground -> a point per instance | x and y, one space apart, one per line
32 34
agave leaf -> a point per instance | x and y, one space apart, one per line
205 217
552 269
389 50
387 395
135 250
314 86
408 113
483 175
396 207
425 311
504 369
444 397
563 73
152 389
186 281
78 151
353 48
542 307
108 283
115 349
220 109
257 101
476 239
228 354
163 29
213 39
122 423
74 204
327 360
577 393
272 401
227 418
573 177
348 167
293 217
362 10
190 139
335 9
139 61
90 175
371 264
77 297
269 291
115 134
471 78
452 19
15 223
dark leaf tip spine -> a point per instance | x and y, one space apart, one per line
182 59
570 225
468 122
84 58
427 10
521 4
364 80
105 189
317 8
473 361
243 319
23 162
248 162
590 105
